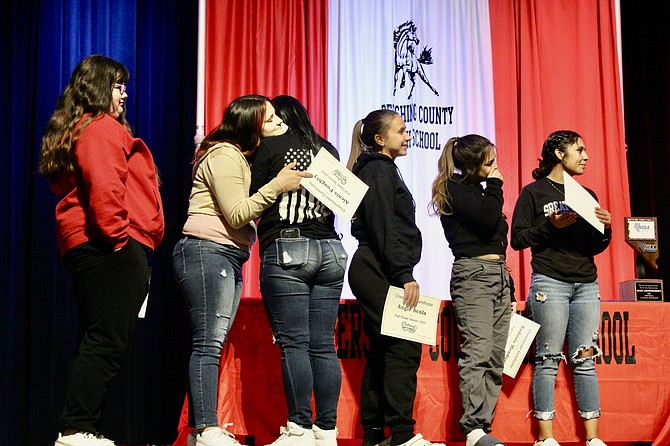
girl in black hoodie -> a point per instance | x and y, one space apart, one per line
389 248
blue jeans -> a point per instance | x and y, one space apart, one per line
210 276
301 284
571 309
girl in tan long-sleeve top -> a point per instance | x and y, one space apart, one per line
219 232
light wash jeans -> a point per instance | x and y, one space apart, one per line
301 284
210 276
565 309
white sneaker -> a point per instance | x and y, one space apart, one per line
549 442
418 440
595 442
324 437
105 441
218 436
83 439
294 435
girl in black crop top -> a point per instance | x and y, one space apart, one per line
481 289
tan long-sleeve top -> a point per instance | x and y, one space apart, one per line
220 208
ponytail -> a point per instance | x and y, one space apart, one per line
467 154
356 144
440 198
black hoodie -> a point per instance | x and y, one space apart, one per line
385 218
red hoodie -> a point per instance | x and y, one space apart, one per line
114 193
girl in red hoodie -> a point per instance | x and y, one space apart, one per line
109 217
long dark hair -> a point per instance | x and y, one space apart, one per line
466 153
561 140
377 122
241 125
89 91
295 116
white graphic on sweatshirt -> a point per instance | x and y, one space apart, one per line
300 206
555 206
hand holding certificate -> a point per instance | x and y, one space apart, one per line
334 185
417 324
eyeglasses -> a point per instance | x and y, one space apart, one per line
122 87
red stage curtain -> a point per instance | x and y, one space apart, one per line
555 66
269 48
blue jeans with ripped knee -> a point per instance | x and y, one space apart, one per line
210 276
565 309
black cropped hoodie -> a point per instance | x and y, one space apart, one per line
477 225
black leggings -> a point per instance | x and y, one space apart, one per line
109 288
388 389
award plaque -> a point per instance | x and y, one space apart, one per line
641 290
642 236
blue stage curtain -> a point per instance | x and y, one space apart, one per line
41 43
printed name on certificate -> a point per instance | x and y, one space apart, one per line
334 185
417 324
521 333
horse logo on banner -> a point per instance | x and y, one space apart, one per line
407 64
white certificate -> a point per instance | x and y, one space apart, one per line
334 185
417 324
581 201
522 331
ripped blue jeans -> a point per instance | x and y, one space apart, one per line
565 309
210 276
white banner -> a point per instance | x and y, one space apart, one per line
430 60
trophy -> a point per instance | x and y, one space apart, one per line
642 236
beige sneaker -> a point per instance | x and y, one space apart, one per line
418 440
324 437
219 436
595 442
294 435
83 439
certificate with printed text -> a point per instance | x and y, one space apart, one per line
581 201
522 331
417 324
334 185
